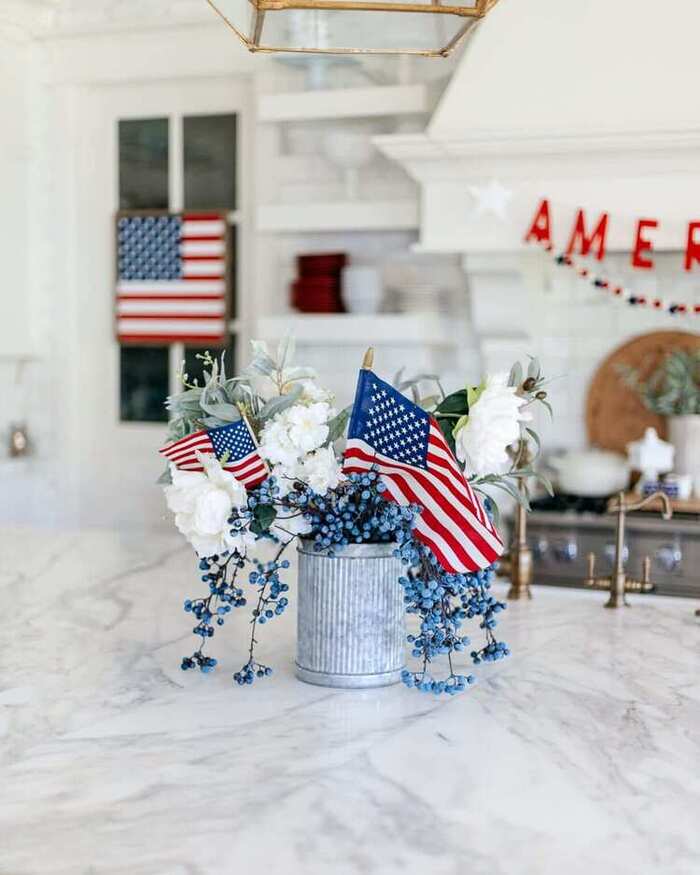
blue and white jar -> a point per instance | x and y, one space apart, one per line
350 620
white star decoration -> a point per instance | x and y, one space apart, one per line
492 198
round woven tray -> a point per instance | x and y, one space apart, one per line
614 413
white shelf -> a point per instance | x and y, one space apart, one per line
344 103
338 216
347 329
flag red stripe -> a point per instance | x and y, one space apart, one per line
183 442
189 453
467 497
169 338
204 217
423 478
202 258
211 317
157 299
202 238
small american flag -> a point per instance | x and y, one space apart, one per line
171 278
415 463
243 459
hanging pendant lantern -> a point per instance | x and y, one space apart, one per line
393 27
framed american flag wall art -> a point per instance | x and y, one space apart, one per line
172 277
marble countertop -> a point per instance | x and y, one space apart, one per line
580 754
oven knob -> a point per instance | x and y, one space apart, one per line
669 557
566 551
540 548
609 552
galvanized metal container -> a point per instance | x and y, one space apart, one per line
350 617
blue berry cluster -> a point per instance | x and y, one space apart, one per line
220 574
250 671
442 602
272 602
357 512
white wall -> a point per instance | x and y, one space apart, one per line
58 356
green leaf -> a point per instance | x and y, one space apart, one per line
546 482
513 491
165 478
264 516
474 393
494 506
222 410
456 403
279 403
285 352
515 377
536 438
533 369
337 425
299 373
461 422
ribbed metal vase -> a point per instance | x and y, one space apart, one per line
350 626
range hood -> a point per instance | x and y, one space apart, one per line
589 104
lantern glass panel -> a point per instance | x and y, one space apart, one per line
353 30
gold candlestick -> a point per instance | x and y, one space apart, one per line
520 557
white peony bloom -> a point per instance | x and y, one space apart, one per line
308 425
202 503
275 443
493 424
321 470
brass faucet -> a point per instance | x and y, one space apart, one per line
618 583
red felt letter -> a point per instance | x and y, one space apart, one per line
597 238
540 229
692 250
641 245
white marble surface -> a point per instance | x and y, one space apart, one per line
580 754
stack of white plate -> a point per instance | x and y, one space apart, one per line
420 297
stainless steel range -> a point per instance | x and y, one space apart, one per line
564 530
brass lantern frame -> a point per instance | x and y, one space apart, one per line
259 9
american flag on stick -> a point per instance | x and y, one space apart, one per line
234 443
171 278
407 448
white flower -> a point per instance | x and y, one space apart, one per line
275 443
311 392
321 470
308 425
493 424
202 503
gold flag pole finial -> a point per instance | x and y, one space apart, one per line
368 360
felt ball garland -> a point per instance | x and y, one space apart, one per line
674 308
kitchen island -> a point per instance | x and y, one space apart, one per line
580 754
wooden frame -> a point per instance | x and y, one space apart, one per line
228 276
